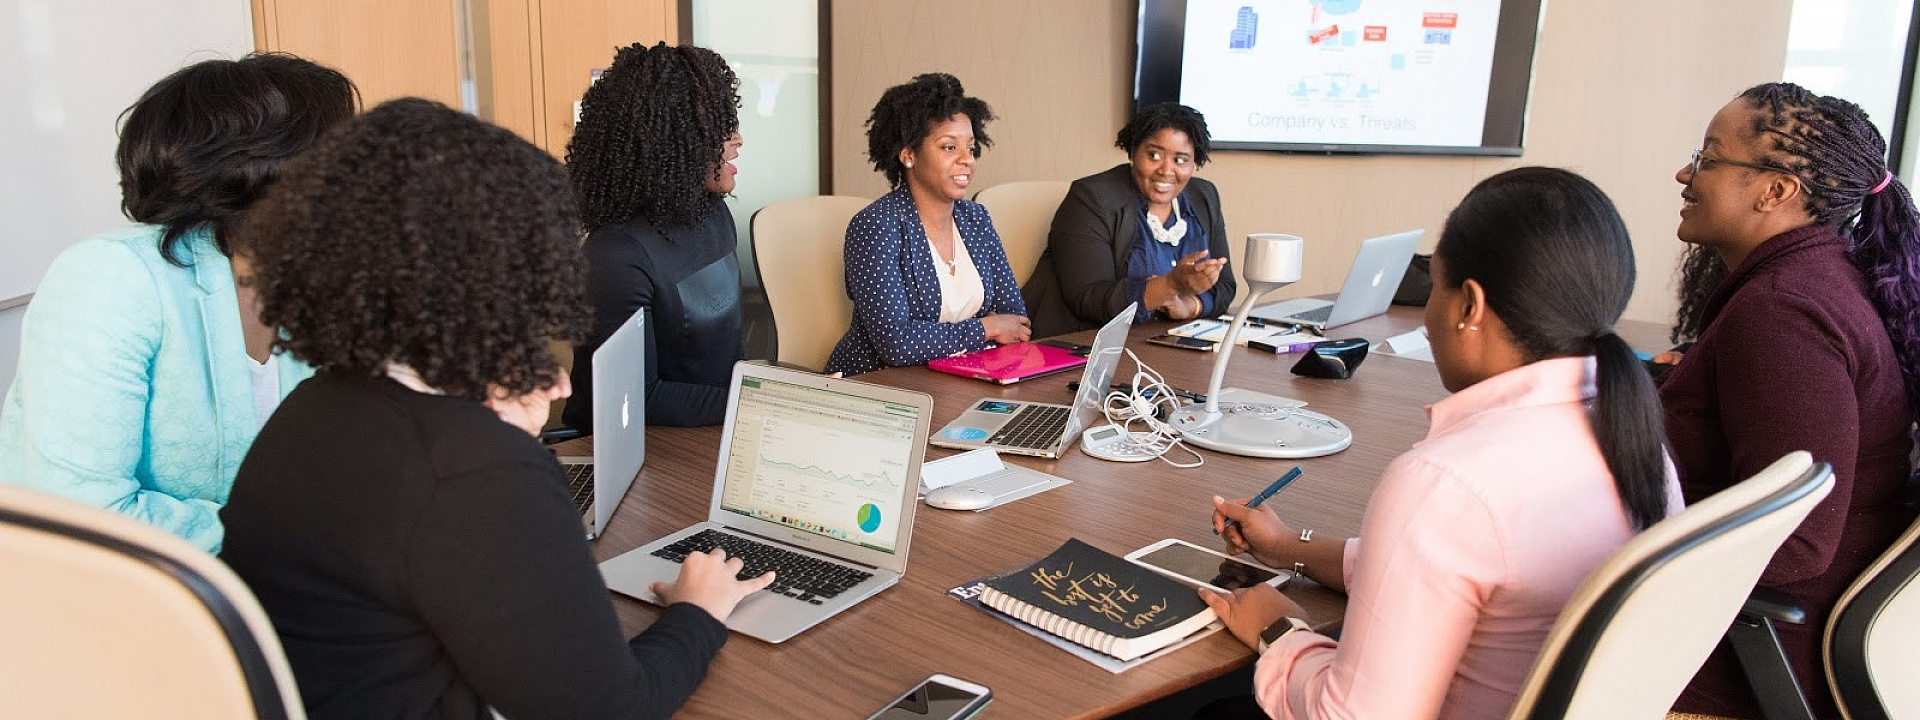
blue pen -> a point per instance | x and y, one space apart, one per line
1277 486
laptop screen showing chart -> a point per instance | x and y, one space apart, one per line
819 461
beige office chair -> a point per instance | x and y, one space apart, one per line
1023 214
1872 642
1636 631
102 616
799 250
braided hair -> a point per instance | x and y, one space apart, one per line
1840 160
905 115
651 133
1557 264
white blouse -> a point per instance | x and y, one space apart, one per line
961 290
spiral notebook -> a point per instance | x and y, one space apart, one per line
1100 601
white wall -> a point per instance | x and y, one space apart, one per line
9 346
67 69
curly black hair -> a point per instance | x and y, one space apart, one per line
419 235
1160 116
651 133
200 146
906 114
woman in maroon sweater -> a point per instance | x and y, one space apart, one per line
1810 340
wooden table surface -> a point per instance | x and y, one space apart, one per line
852 664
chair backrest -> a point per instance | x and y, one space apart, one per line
1873 637
799 247
1643 622
1023 214
104 616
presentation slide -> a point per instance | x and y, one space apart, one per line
1370 72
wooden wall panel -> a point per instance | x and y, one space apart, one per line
1621 102
577 36
389 49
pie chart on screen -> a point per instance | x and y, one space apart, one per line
869 517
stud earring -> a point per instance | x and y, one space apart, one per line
1460 326
909 165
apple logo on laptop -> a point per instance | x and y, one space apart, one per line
626 409
1377 276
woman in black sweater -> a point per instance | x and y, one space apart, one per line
651 163
413 544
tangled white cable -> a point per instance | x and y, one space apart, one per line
1138 413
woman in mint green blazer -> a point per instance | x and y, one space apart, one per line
141 382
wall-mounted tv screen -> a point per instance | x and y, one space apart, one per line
1446 77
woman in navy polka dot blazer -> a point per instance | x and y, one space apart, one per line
925 269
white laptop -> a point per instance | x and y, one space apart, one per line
1376 273
620 426
1042 429
817 475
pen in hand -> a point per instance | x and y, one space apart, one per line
1262 497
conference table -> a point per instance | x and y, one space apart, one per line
853 664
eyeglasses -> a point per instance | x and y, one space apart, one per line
1702 161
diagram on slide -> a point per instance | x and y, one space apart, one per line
1388 72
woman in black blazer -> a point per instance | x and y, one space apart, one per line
1144 232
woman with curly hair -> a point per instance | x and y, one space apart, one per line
651 162
145 369
1818 307
925 269
1145 232
419 556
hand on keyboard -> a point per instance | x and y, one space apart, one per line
707 580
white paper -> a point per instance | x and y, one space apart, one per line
936 474
1411 345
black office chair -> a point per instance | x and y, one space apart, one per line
1872 643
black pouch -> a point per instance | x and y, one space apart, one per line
1417 283
1334 359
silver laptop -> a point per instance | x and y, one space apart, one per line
816 481
1042 429
1376 273
619 426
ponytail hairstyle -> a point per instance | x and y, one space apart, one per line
1557 265
1838 155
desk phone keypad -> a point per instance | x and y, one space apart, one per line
797 576
1037 427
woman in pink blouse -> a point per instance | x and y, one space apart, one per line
1545 460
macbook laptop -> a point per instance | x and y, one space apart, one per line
1376 273
1008 364
620 426
1042 429
816 481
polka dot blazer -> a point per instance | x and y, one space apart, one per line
896 295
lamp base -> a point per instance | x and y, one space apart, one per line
1260 425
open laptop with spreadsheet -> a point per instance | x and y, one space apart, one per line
619 424
816 481
1376 273
1042 429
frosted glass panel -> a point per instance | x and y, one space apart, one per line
773 45
1852 49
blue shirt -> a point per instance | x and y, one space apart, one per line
1151 258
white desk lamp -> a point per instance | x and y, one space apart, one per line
1244 422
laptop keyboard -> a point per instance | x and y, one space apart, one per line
1318 315
1036 426
580 483
797 576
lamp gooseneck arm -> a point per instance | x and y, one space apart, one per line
1224 351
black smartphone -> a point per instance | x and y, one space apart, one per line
939 697
1182 341
1075 348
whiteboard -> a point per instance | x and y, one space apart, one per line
67 70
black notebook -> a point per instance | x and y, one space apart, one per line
1095 598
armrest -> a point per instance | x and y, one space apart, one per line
1772 605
